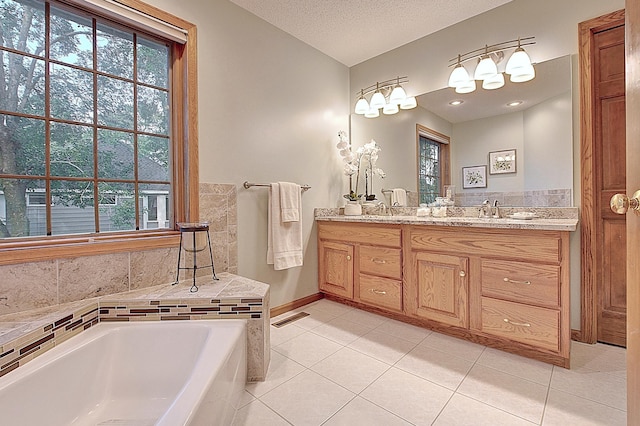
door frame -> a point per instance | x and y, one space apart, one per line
588 332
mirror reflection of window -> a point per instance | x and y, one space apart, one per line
433 164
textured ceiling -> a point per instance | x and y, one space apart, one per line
352 31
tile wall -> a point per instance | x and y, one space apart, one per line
33 285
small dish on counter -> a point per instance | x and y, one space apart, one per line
523 215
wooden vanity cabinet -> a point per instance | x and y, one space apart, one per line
361 262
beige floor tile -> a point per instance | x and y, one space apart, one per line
566 409
245 398
307 399
308 348
258 414
283 334
454 346
403 330
415 400
362 412
382 346
516 365
517 396
330 307
364 318
351 369
605 388
341 331
280 370
598 357
439 367
464 411
315 319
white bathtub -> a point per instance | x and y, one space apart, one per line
165 373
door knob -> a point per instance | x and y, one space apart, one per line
620 203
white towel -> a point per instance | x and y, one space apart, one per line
398 197
289 201
284 239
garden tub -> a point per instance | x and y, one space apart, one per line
165 373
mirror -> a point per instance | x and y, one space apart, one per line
540 130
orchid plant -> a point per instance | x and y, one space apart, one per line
364 157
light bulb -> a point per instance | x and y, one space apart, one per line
390 108
458 76
362 106
467 87
495 82
397 95
377 100
485 69
409 102
518 61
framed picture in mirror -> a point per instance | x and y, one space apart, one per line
474 177
502 162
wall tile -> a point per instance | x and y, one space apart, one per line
91 276
28 286
153 267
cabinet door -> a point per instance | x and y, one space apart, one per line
438 288
336 268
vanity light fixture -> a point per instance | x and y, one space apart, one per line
388 95
518 67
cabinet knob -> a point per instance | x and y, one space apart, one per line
620 203
463 274
348 257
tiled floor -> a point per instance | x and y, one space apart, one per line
343 366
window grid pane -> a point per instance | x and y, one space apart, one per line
429 170
97 146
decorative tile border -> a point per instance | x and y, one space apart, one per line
19 351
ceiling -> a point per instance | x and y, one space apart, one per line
352 31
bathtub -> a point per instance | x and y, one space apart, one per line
164 373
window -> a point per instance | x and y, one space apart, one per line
87 125
433 163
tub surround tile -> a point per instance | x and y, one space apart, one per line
77 277
152 266
27 334
28 286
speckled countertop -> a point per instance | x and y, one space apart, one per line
547 219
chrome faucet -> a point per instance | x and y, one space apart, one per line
485 209
383 209
496 210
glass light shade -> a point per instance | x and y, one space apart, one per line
372 113
495 82
377 100
397 95
390 108
458 76
518 61
362 106
485 69
467 87
523 75
409 102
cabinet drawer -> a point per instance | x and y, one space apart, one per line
527 324
358 233
521 282
383 292
381 261
539 245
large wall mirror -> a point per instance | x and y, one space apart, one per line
539 130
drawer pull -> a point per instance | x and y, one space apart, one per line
374 291
521 324
507 280
378 261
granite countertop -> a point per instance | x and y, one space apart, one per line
16 325
546 219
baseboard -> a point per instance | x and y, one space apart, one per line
279 310
576 335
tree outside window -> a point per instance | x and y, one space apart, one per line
84 121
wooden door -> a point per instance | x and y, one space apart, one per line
633 222
609 91
336 268
439 288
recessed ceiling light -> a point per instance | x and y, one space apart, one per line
514 103
456 102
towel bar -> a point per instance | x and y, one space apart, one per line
248 185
